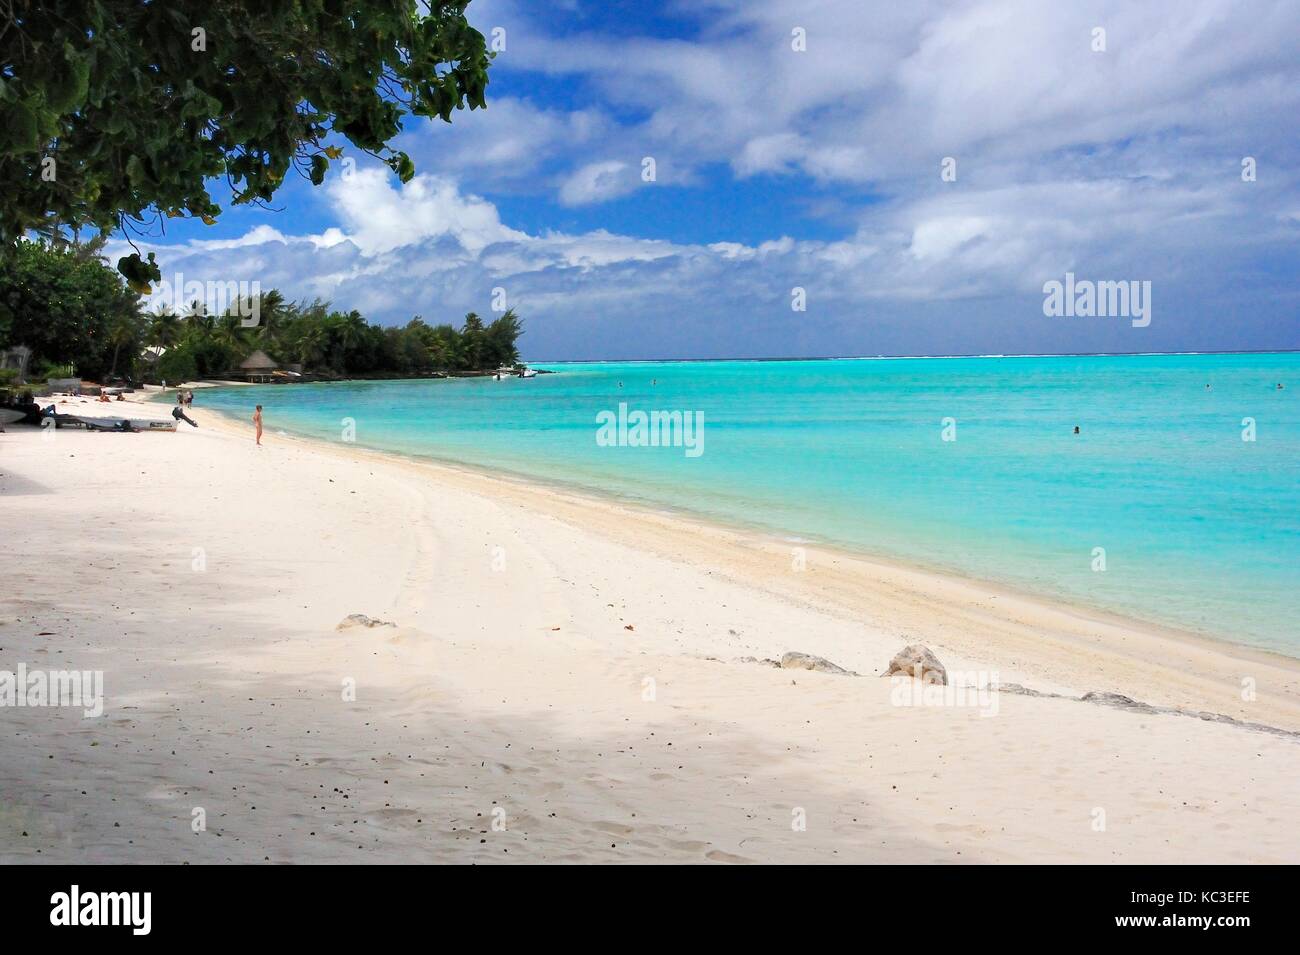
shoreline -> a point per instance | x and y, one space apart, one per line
1083 649
1098 354
592 673
778 539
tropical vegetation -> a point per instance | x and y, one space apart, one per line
68 306
114 113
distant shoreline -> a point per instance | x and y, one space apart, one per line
676 361
541 363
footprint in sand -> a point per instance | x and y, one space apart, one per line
687 845
717 855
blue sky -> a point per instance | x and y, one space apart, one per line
779 168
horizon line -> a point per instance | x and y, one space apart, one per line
1100 354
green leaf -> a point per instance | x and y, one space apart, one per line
139 273
68 86
135 172
22 135
404 167
319 164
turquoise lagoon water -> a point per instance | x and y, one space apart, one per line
1200 528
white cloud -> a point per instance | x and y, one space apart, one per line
1123 164
885 90
511 145
426 245
380 216
772 153
598 182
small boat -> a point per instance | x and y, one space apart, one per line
526 372
10 415
124 424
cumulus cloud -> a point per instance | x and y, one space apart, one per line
428 249
1122 163
882 87
380 216
512 146
597 182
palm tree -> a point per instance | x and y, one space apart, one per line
500 337
309 343
271 312
164 330
471 337
199 323
51 230
350 332
123 331
229 331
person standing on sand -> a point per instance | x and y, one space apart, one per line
257 423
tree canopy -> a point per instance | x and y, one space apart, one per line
67 307
116 111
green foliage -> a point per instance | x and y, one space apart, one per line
45 370
499 339
114 109
67 308
212 359
330 343
178 364
72 308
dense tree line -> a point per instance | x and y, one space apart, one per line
328 342
68 306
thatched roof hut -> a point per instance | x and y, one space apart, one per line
258 366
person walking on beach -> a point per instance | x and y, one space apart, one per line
257 423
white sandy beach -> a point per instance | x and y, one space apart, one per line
567 668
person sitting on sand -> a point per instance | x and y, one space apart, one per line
27 404
257 423
104 398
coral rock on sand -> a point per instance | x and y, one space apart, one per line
1116 699
361 620
918 662
806 661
